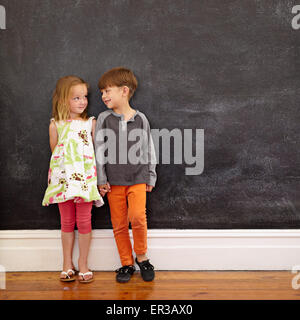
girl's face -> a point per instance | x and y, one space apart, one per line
78 100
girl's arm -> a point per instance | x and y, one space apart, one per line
53 136
93 129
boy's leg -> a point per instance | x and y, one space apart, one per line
137 216
83 219
119 219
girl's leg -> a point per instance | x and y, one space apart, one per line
67 215
68 245
83 217
84 246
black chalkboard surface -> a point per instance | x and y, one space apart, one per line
228 67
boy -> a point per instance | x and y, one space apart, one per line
125 182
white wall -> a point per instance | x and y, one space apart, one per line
40 250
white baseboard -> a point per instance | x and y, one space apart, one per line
254 249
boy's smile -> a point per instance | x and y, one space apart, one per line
113 96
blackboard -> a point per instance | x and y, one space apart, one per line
228 67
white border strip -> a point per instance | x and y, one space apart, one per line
171 249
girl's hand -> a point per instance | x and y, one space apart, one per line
108 186
104 188
149 188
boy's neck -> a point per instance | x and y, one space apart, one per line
124 109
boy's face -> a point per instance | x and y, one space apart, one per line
113 96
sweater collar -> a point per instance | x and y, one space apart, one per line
122 116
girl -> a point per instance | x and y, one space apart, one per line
72 177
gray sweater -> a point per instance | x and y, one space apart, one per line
125 153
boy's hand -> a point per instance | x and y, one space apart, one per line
104 188
149 188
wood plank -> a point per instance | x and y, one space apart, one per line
169 285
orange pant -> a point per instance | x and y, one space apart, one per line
128 204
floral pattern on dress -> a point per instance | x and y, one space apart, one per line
72 172
83 135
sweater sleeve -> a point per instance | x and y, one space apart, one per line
100 149
151 154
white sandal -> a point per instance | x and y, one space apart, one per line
68 277
89 273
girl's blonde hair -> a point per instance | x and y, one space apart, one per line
61 94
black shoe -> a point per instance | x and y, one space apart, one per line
147 270
124 274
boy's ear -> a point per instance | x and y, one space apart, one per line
125 91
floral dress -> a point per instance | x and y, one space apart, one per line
72 173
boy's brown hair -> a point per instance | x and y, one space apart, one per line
119 77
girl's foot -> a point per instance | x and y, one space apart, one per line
66 273
84 273
86 277
67 276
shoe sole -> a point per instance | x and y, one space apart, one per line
67 280
148 280
123 281
86 281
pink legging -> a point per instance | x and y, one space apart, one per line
71 212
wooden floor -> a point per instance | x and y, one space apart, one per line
168 285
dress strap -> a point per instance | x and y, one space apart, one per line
91 121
